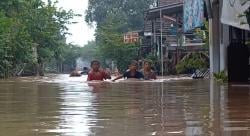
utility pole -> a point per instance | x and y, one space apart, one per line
178 39
161 44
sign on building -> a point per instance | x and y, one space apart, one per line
131 37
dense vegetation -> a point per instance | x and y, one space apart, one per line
112 19
193 61
196 60
32 34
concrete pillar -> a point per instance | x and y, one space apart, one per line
223 47
215 108
214 39
224 43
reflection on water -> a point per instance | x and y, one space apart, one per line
60 105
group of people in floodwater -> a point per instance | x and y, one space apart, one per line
98 74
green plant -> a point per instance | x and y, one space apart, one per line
221 76
246 13
151 57
204 34
33 33
191 62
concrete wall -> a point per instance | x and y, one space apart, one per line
219 40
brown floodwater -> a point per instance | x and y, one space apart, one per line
58 105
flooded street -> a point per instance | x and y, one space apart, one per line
60 105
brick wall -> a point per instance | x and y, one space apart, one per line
168 2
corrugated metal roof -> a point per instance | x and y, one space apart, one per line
166 10
168 2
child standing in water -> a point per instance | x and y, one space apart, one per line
147 71
96 73
132 72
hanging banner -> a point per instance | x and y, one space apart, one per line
193 14
234 13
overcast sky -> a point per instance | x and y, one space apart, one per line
81 32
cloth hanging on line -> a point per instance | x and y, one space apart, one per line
193 14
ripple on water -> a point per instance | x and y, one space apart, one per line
61 105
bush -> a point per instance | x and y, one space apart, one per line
192 62
221 76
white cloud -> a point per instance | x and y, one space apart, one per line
81 32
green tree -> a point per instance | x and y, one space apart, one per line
113 18
89 51
71 53
110 43
130 10
204 34
15 40
31 32
191 62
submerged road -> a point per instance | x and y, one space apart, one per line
59 105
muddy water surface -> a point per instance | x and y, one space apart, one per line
58 105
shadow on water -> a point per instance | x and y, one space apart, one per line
60 105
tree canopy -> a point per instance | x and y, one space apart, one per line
113 18
132 11
31 32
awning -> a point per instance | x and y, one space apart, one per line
231 11
166 10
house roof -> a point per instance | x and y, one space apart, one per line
166 10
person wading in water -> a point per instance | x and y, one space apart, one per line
147 71
96 73
131 72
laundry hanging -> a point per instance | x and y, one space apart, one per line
193 14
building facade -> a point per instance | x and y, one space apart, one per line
164 36
228 49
